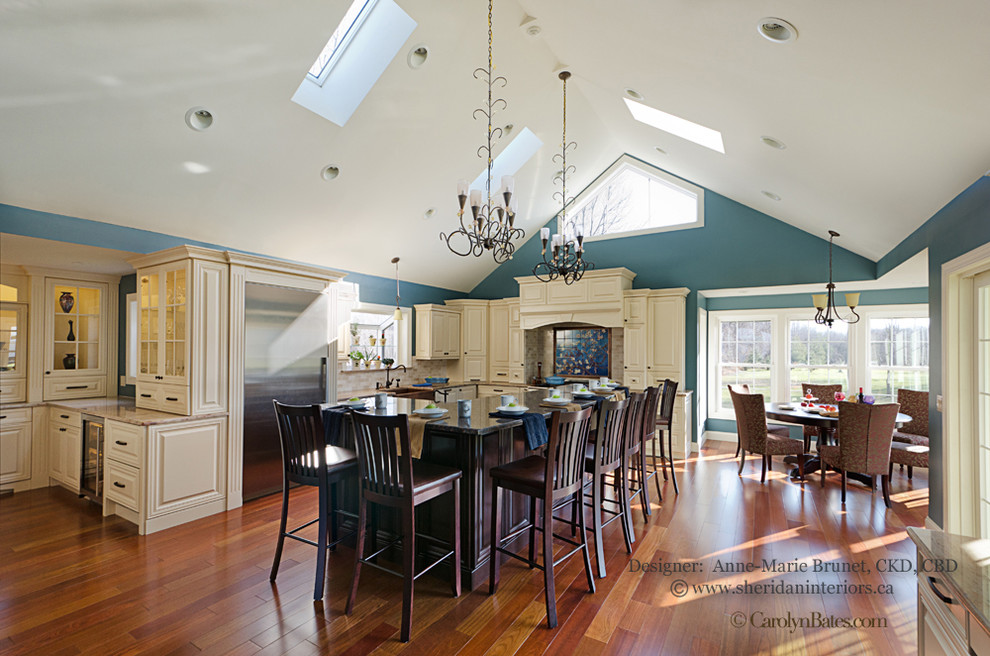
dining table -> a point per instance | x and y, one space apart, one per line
474 445
794 413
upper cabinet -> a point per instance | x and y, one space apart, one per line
183 333
438 332
78 320
653 336
596 299
473 363
13 352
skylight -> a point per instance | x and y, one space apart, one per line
358 52
676 126
511 159
341 36
633 198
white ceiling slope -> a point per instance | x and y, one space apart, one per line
882 106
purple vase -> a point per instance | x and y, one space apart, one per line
67 301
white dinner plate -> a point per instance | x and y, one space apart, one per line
515 410
430 412
356 404
785 406
585 393
560 401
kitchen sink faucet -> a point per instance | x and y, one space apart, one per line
388 380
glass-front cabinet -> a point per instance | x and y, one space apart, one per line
164 350
75 339
13 352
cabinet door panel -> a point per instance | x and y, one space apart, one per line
499 339
635 347
474 330
15 451
665 347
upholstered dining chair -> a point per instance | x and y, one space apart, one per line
308 460
824 394
780 431
909 455
914 404
865 433
751 423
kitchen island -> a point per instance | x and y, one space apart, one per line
473 445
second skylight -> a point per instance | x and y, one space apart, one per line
676 126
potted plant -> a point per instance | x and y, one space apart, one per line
388 362
354 333
355 357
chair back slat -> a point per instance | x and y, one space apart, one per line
566 451
649 427
382 470
302 442
865 432
751 420
669 397
635 408
610 441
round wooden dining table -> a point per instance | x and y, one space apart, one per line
826 431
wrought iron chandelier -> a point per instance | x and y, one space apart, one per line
825 303
492 224
566 259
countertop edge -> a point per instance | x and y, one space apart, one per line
916 534
83 406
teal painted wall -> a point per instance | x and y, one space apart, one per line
959 227
737 247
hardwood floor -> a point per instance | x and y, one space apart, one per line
72 582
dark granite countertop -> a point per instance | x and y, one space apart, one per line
971 580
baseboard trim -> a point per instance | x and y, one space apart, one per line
721 436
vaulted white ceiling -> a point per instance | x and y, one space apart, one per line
882 106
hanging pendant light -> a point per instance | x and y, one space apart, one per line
397 315
491 226
566 255
825 303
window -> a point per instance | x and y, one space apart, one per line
632 198
745 349
346 29
819 355
374 335
898 356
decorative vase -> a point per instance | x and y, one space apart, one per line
69 361
71 337
373 340
67 301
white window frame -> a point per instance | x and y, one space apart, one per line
900 312
624 162
859 353
403 330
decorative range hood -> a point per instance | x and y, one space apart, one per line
596 299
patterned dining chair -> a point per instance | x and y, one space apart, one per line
865 433
780 431
824 394
751 423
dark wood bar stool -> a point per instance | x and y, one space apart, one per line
550 479
635 456
308 460
607 456
663 425
651 425
397 480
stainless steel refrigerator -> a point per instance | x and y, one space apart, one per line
285 344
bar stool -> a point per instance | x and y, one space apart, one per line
606 456
635 455
650 425
663 424
551 479
308 460
397 480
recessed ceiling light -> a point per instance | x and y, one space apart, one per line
676 126
776 30
635 95
199 118
429 213
660 150
195 167
773 143
330 172
418 56
771 195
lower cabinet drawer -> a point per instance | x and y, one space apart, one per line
167 398
13 391
80 388
122 484
123 442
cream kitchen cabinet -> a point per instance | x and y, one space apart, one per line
654 345
499 357
15 445
473 362
163 475
438 332
78 319
13 352
65 446
183 334
517 344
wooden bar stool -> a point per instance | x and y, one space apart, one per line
662 425
635 456
397 480
308 460
550 479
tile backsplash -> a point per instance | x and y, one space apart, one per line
353 380
539 348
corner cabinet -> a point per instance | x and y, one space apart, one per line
438 332
183 332
78 320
